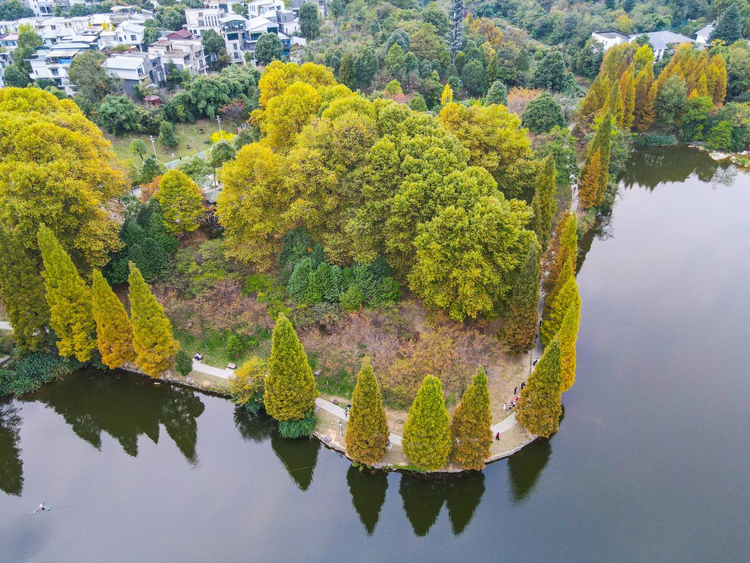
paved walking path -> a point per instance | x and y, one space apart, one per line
336 410
5 326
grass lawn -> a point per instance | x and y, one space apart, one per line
213 345
193 138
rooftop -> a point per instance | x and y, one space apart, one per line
661 40
127 62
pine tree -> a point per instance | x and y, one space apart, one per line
520 324
290 385
470 428
456 37
567 297
568 338
729 26
22 293
492 70
367 431
539 409
69 300
588 185
544 203
566 248
447 96
602 142
113 327
153 341
615 105
427 435
645 94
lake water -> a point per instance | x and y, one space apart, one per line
651 463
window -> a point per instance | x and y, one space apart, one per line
132 37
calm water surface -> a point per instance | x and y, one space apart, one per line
651 464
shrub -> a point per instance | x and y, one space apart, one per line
183 363
234 346
351 300
302 428
645 141
248 384
31 372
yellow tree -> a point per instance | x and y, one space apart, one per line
447 96
470 427
69 300
588 186
627 92
113 327
540 409
56 168
252 204
645 94
153 341
181 202
367 431
567 297
286 114
568 337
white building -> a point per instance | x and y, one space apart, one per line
609 39
136 69
224 6
53 64
5 62
322 5
265 9
185 54
131 34
703 34
201 19
661 41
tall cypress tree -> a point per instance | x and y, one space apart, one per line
290 386
565 248
22 293
567 297
113 327
153 341
568 338
456 36
544 203
539 408
427 433
470 428
588 185
521 320
602 142
367 431
627 91
729 26
69 300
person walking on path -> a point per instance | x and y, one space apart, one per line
497 436
505 407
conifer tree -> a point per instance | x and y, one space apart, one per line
470 428
69 300
367 432
447 96
565 248
568 338
729 25
602 142
567 297
113 327
615 106
544 204
290 386
520 324
539 409
627 92
645 94
427 435
153 341
22 293
588 185
181 202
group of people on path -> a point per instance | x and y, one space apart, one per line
513 403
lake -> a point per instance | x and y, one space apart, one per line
651 462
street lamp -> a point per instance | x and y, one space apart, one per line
218 120
153 146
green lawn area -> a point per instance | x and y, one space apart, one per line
213 345
193 138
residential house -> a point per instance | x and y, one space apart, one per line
53 64
5 61
181 34
236 36
322 6
201 19
259 26
225 6
265 9
609 39
184 54
130 33
288 22
9 41
136 69
663 41
703 34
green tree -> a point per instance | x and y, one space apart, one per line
118 114
474 77
222 152
720 137
267 49
153 341
729 26
290 386
113 327
551 73
13 10
181 201
671 103
367 431
138 147
213 45
69 300
470 428
520 323
183 363
544 203
539 409
309 22
29 40
366 66
166 135
92 82
542 114
347 71
565 298
568 338
427 434
395 61
150 169
497 94
22 293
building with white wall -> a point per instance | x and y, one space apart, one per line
53 64
136 69
703 35
201 19
186 54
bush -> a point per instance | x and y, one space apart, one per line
351 300
645 141
183 363
302 428
234 346
248 384
31 372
